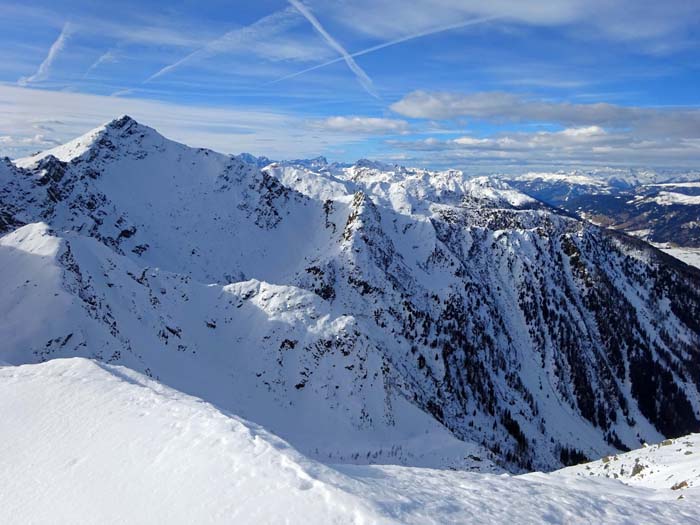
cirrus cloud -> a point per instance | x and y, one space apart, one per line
645 22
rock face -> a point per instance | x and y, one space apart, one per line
358 311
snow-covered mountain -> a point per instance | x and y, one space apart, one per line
657 207
365 313
87 442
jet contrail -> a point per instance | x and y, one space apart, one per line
235 38
364 80
45 67
372 49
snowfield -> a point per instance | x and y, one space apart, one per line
669 198
689 256
84 442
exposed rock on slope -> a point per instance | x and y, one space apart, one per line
355 299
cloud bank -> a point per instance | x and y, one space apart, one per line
503 107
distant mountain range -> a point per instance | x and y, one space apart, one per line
660 208
365 313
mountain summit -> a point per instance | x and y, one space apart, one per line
364 313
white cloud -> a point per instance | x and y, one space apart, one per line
588 131
395 18
45 67
508 107
582 146
117 21
259 131
264 38
362 125
107 57
35 141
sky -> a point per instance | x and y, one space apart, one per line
503 85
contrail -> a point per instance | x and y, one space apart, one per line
44 69
372 49
365 81
105 58
235 38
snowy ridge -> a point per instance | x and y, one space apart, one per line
405 316
610 177
669 198
187 462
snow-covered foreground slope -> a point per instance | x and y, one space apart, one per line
90 443
84 442
365 313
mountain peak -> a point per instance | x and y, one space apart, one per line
116 130
121 122
126 126
314 163
372 164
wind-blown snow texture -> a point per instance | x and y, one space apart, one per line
358 312
93 443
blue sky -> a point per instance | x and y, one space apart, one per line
483 86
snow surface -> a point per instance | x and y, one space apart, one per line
85 442
689 256
668 198
603 177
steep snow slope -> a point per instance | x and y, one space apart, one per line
191 211
477 266
274 354
94 443
374 304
